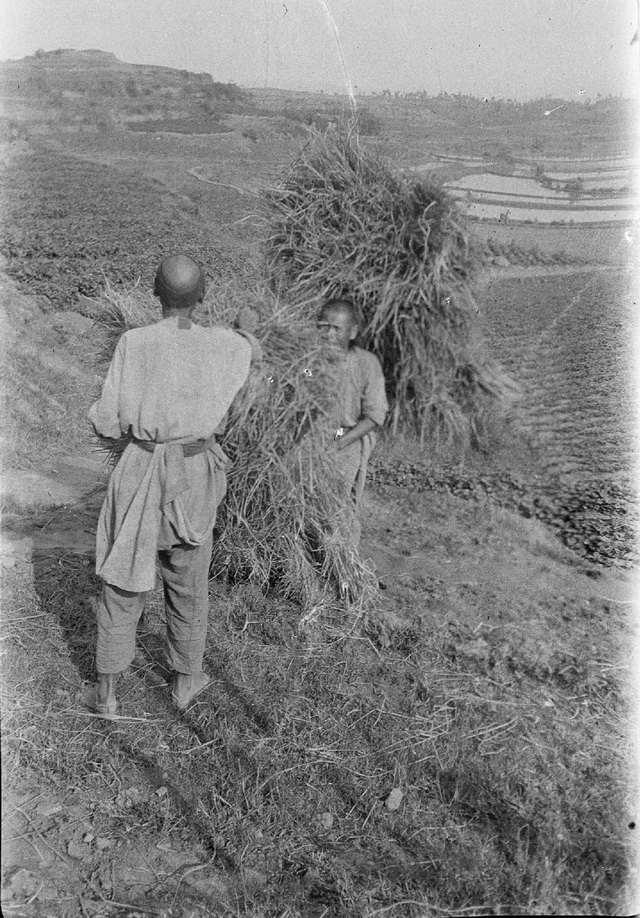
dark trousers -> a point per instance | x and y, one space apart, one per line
185 572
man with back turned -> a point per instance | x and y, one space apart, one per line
169 387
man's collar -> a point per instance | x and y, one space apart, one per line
182 321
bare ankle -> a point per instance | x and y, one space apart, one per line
106 686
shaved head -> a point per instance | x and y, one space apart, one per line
179 282
343 307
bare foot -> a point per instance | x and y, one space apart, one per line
101 697
187 686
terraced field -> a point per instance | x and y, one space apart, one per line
611 243
489 196
535 213
557 191
567 338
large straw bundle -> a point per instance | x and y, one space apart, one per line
285 521
342 224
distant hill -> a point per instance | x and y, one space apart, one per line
91 88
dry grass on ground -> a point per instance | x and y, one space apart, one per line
465 761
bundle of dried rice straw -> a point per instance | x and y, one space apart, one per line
285 522
344 225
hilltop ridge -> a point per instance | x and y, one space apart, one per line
70 59
69 90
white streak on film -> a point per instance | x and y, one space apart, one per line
336 34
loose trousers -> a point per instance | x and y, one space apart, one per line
352 463
185 573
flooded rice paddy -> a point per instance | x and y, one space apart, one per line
488 196
509 211
592 181
558 192
508 185
574 164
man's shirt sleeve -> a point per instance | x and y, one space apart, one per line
104 414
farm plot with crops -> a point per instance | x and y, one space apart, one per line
577 326
608 244
447 735
70 223
566 339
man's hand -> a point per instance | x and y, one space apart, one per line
362 428
245 324
246 320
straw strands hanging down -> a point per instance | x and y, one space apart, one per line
285 521
342 224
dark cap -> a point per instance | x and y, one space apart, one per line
179 282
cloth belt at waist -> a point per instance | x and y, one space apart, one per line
188 449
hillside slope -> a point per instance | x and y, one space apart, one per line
465 743
93 89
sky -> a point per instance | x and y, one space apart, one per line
518 49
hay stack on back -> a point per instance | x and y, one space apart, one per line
343 225
283 523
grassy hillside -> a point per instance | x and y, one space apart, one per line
463 746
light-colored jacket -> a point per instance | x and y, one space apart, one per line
170 383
